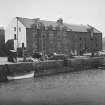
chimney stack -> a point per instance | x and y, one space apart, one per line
60 20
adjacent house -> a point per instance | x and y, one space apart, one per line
53 36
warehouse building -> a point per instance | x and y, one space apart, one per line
53 36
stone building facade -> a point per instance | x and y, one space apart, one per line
55 36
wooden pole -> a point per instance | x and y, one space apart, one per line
17 37
92 41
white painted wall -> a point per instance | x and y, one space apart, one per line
9 33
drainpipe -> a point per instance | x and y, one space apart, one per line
91 31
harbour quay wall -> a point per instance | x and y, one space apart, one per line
50 66
85 63
69 65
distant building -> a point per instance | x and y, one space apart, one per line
2 40
2 36
53 36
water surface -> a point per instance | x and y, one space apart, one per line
75 88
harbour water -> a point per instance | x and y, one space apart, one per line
76 88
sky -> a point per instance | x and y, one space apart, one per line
90 12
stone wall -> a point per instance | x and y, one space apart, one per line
50 67
62 41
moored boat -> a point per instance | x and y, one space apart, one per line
29 75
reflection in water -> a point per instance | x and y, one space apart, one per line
76 88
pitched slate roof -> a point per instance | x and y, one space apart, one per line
72 27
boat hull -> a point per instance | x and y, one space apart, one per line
29 75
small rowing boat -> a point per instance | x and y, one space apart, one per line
29 75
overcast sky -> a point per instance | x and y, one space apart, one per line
72 11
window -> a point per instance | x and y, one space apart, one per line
19 29
14 28
14 36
